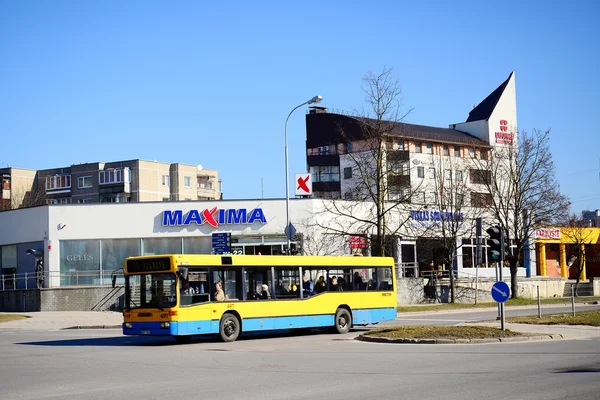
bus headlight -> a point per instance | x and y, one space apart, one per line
165 324
128 325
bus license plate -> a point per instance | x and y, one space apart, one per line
145 332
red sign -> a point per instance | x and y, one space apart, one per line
547 233
303 184
357 242
504 137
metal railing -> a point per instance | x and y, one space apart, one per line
408 270
34 280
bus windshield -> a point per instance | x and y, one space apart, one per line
150 291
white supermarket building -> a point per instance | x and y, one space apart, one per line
83 244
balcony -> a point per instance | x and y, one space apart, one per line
398 155
114 181
323 160
326 186
58 184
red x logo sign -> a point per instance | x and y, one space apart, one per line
302 184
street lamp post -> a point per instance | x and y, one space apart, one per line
288 231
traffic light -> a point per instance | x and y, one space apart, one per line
496 243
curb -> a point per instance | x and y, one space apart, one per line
364 338
94 327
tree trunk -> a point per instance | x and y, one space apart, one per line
513 278
452 286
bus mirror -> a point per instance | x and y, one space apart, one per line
183 273
114 280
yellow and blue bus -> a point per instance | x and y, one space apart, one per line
183 295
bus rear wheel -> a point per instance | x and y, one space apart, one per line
343 321
230 327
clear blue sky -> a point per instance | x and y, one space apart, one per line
200 82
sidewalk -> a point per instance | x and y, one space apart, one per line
55 320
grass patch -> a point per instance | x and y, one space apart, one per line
510 302
11 317
440 332
590 318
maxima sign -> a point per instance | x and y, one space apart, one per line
213 217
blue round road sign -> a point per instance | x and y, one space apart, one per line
500 292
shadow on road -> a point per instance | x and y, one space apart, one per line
117 341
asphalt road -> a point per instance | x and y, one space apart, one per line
103 364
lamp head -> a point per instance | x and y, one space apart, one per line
316 99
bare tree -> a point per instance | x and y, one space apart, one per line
522 191
578 235
23 196
379 171
451 194
316 242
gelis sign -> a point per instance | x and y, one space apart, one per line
214 217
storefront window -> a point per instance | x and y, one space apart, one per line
9 256
114 253
79 262
197 245
468 251
153 246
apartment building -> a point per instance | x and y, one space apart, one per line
591 218
115 182
16 187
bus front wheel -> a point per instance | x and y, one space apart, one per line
230 327
343 320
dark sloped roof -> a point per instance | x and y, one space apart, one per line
484 110
431 133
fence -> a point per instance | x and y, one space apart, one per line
33 280
408 270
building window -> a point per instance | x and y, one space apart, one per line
114 176
481 199
418 148
187 181
446 150
448 174
429 148
347 172
84 201
166 181
399 167
401 145
458 175
480 176
401 195
421 172
419 197
456 151
58 182
325 174
348 196
432 173
84 182
349 147
472 153
323 150
434 198
483 154
62 200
